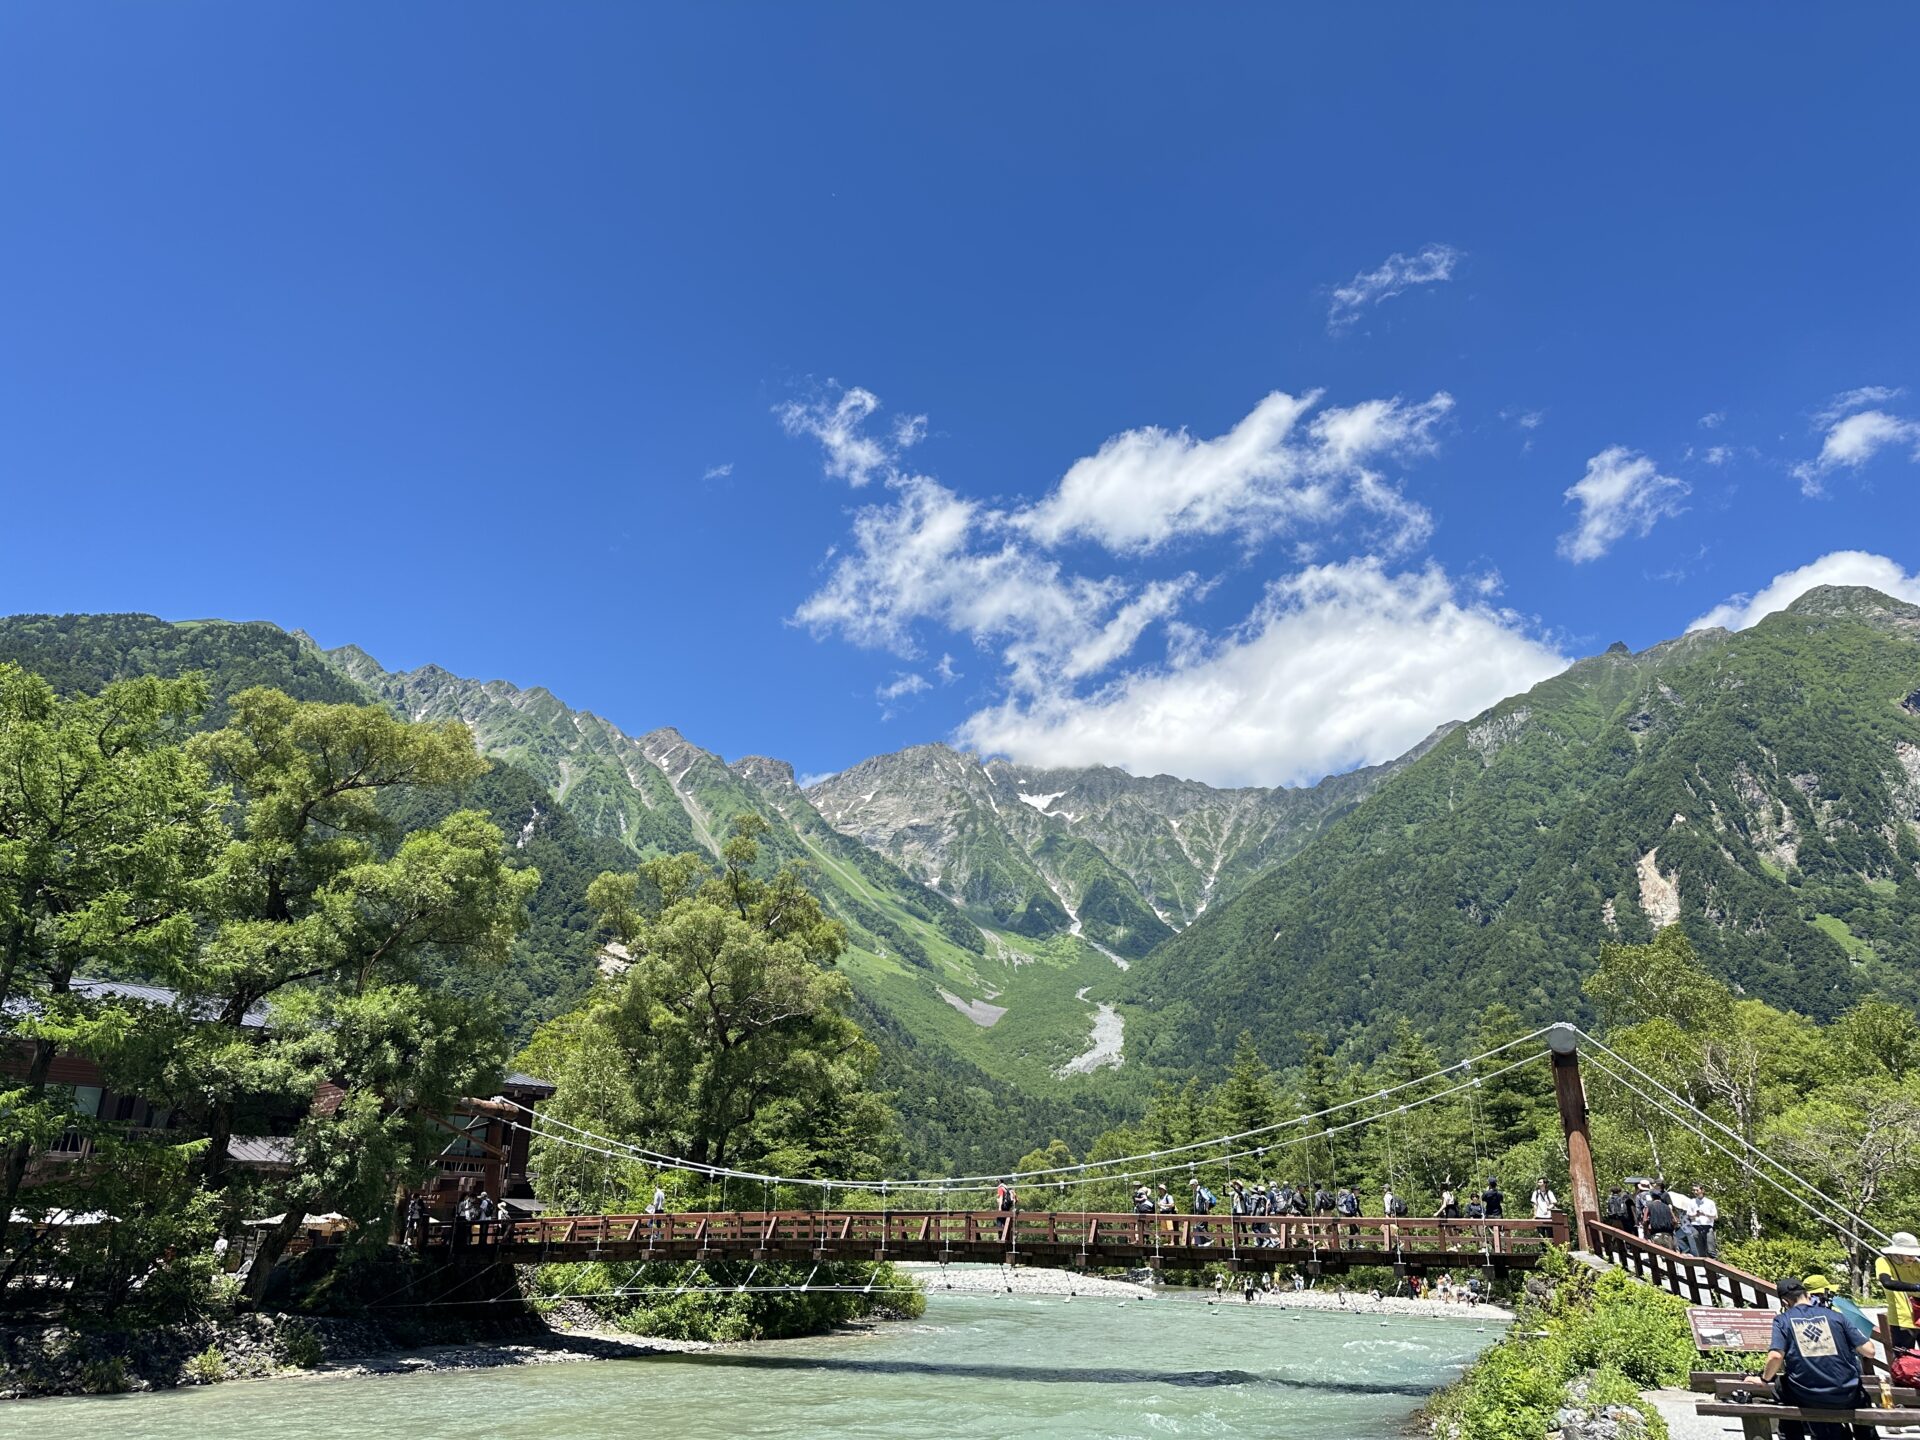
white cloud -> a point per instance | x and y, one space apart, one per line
931 556
1713 419
1149 487
1863 398
1370 287
1338 665
1841 567
1622 493
718 472
851 454
1717 454
1851 442
903 684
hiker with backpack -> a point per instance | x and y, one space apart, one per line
1203 1202
1898 1273
1006 1198
1617 1210
1659 1216
1347 1203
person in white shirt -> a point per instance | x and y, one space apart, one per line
1706 1215
1544 1202
1682 1208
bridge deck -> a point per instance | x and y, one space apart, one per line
1035 1237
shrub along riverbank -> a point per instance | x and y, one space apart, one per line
1587 1345
730 1301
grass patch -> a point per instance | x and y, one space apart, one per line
1837 930
1596 1342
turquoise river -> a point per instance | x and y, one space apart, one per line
975 1366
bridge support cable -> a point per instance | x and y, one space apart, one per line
661 1160
619 1149
1733 1135
1679 1117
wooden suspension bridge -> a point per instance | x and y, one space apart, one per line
1322 1244
1317 1244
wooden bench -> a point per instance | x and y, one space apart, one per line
1762 1418
1758 1417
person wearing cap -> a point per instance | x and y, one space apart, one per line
1898 1273
1814 1360
1824 1292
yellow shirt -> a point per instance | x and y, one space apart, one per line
1905 1269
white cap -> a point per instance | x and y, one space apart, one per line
1903 1243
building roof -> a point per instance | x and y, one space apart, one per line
527 1085
260 1150
254 1019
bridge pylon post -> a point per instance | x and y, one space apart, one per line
1571 1093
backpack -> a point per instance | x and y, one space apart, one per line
1398 1207
1347 1205
1617 1208
1659 1215
1208 1198
1906 1367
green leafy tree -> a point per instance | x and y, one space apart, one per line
343 928
728 1040
107 831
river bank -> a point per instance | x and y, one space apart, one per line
1070 1284
46 1360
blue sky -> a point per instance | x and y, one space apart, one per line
1198 389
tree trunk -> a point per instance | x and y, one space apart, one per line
21 1155
273 1244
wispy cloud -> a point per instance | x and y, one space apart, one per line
904 684
1398 273
1622 493
1841 567
1713 419
718 472
1862 398
1855 434
837 422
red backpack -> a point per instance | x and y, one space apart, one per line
1906 1367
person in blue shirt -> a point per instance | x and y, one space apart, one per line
1814 1360
1823 1291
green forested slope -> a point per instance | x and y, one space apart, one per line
1762 788
81 653
966 1091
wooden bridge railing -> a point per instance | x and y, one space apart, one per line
1694 1278
1099 1237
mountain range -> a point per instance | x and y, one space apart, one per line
1030 946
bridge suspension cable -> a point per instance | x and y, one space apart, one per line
1679 1116
614 1149
665 1161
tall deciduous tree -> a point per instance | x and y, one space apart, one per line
325 914
728 1040
107 830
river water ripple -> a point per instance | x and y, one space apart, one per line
978 1367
